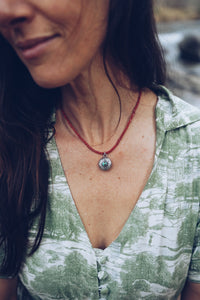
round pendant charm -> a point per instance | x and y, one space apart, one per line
105 163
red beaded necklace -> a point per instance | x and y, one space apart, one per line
105 162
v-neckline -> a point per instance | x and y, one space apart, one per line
159 142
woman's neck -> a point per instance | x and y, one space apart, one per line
93 106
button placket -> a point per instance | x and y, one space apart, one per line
102 275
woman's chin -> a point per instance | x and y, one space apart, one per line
48 83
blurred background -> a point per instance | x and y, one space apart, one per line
178 23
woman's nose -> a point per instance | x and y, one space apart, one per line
13 12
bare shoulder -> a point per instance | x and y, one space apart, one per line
191 291
8 289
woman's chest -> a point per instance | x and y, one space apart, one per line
105 199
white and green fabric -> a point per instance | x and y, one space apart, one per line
159 246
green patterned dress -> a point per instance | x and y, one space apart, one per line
159 246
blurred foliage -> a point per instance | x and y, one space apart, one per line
177 10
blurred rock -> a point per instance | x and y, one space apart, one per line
186 86
190 48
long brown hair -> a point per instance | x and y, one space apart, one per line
25 111
25 123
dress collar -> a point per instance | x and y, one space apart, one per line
172 112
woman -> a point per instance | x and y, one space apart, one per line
99 163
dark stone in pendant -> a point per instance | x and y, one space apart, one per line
105 163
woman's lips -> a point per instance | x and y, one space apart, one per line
33 48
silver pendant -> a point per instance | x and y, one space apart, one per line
105 163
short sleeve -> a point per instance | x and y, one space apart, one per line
194 270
